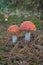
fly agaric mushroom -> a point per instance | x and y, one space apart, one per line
14 30
27 26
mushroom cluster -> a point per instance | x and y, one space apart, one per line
25 26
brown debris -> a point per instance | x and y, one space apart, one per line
22 53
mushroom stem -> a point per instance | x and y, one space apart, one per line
27 36
14 38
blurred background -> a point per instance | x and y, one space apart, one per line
19 10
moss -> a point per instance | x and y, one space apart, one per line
18 20
1 48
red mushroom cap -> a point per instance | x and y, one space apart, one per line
14 29
27 26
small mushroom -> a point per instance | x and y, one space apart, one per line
6 17
27 26
14 30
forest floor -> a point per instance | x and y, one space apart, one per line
21 53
